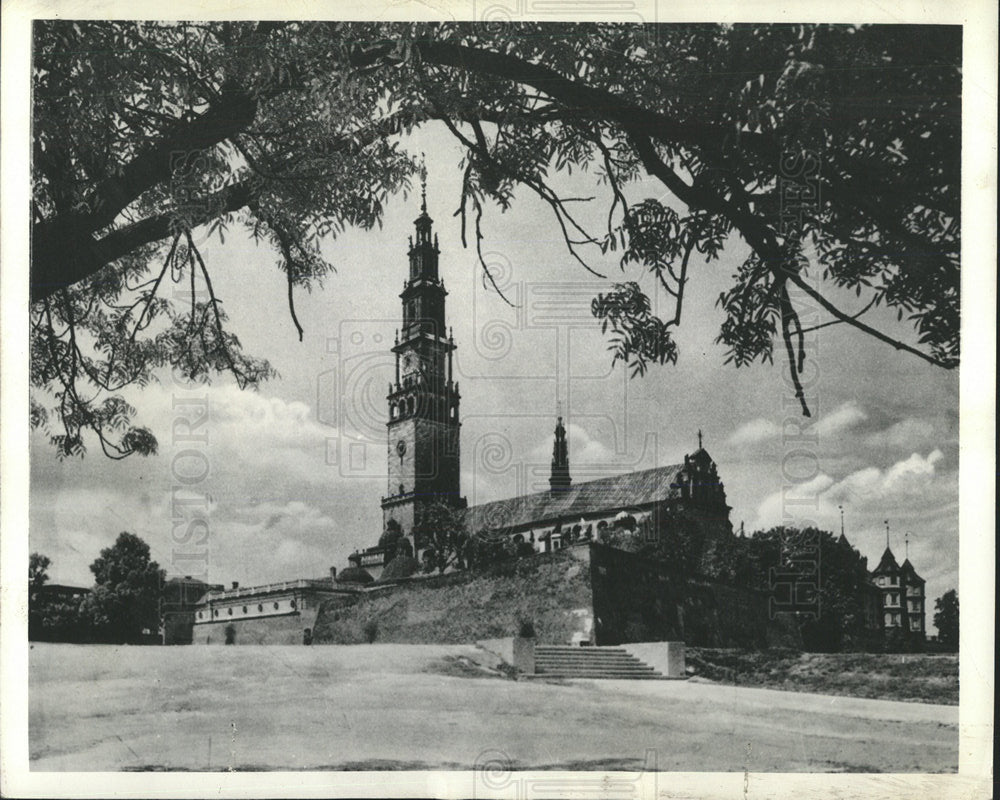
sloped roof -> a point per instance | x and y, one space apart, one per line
909 570
578 500
888 563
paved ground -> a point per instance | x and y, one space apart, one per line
387 707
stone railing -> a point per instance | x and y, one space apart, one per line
267 588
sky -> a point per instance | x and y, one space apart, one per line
291 475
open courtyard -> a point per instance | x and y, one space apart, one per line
384 706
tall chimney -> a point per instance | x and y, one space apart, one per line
333 575
236 584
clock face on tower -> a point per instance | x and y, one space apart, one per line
401 447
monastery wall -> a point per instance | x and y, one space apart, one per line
584 592
551 589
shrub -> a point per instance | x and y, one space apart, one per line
526 629
230 631
371 630
399 567
354 575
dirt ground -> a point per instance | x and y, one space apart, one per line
95 707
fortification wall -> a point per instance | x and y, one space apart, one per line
552 590
639 600
286 629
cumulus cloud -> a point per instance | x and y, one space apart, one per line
753 432
897 491
842 418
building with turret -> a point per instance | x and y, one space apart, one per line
902 598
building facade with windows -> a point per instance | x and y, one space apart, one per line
902 595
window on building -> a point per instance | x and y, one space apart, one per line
200 615
914 624
893 580
215 613
260 606
881 580
275 606
229 611
244 609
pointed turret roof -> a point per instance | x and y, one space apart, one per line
910 571
887 563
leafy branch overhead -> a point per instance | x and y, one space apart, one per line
833 152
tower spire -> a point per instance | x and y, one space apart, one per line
559 477
886 534
841 507
907 540
699 438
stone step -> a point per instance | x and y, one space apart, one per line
584 665
610 663
580 657
614 676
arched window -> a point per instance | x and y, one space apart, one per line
260 606
229 611
215 612
276 605
244 609
200 615
291 604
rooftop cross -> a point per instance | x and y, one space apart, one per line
886 534
423 184
699 438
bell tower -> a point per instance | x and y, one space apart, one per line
423 427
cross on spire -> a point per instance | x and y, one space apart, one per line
886 534
907 540
423 184
699 438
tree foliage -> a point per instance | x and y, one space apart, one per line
38 566
126 596
946 619
441 536
832 151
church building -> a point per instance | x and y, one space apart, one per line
423 433
629 595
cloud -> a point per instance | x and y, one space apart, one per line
899 491
843 418
753 432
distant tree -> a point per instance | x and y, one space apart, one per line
946 619
126 595
441 534
37 577
148 137
832 574
38 570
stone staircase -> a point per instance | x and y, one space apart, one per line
563 661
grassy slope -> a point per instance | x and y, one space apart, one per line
464 607
912 677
